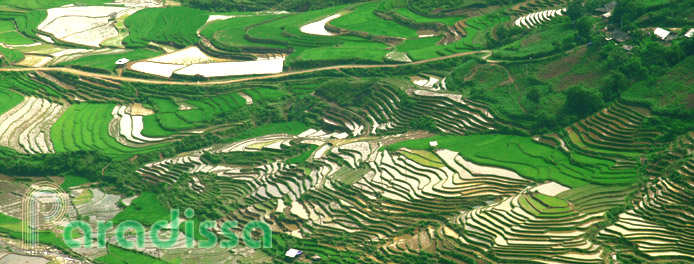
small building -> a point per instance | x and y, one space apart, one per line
606 9
618 36
292 253
661 33
122 61
433 144
628 48
689 33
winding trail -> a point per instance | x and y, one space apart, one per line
260 77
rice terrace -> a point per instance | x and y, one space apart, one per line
346 131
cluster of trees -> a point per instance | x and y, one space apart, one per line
346 92
258 5
86 164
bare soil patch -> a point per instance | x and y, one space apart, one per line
139 109
556 68
690 101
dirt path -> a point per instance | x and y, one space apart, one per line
262 77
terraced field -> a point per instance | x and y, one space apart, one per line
390 131
86 127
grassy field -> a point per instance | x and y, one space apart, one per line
43 4
168 119
85 127
292 128
229 33
301 158
529 159
372 55
145 209
71 181
9 34
11 55
107 62
363 19
422 19
675 89
171 25
9 99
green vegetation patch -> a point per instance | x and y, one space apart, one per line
15 38
11 55
85 127
145 209
71 181
9 99
108 61
529 159
117 255
45 4
363 19
228 33
170 25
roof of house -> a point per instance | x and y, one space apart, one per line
607 8
122 61
689 33
292 253
661 33
619 36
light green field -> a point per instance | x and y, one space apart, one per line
172 25
529 159
107 62
363 19
85 127
44 4
229 33
9 99
71 181
145 209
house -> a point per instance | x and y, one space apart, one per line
618 36
628 48
661 33
606 10
689 33
433 144
122 61
292 253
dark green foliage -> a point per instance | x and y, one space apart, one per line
345 92
86 164
424 122
582 102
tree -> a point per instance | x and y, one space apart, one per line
584 26
534 96
424 123
575 9
581 102
615 83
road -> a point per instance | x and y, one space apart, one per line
260 77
